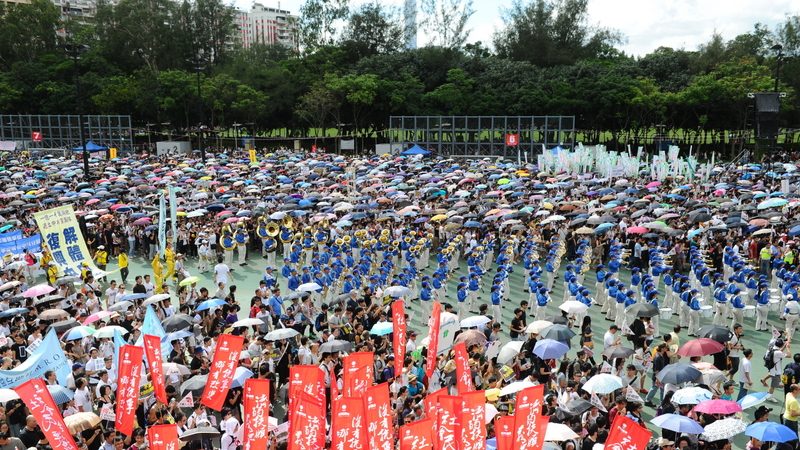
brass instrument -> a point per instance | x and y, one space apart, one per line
347 238
288 222
273 229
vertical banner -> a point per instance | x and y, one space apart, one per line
173 214
448 423
130 374
155 361
307 425
62 235
399 335
348 429
417 435
473 421
163 437
48 416
504 432
378 414
527 411
256 414
627 434
432 410
308 379
433 344
162 224
226 358
334 385
463 373
359 373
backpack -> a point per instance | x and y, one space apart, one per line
769 359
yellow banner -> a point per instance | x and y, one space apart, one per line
253 156
62 235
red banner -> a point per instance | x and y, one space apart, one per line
334 385
226 358
359 373
130 362
448 423
473 421
626 433
163 437
433 345
378 413
348 429
504 432
256 414
155 361
399 335
307 426
463 373
48 416
432 410
417 435
541 428
308 379
527 412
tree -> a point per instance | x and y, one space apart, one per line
315 107
319 22
710 54
446 21
27 30
372 29
213 28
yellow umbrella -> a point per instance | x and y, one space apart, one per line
438 218
189 280
584 230
81 421
547 205
181 214
205 178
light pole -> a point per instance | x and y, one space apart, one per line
197 64
236 127
74 51
778 61
149 140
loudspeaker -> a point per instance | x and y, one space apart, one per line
768 105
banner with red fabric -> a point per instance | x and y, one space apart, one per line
334 385
399 329
223 367
307 423
527 412
432 411
417 435
504 432
378 413
626 433
163 437
37 398
256 414
433 344
155 363
463 373
359 373
308 379
448 423
473 421
348 427
130 362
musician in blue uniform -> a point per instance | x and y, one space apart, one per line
242 237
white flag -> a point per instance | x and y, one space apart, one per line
595 400
187 402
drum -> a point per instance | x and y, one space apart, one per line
749 311
665 313
707 311
774 304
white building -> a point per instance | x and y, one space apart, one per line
410 23
268 26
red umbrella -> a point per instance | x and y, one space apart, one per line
700 347
636 230
718 407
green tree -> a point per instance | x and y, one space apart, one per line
27 30
319 22
372 29
315 107
446 21
213 28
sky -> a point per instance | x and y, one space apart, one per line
645 24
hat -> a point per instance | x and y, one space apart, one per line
101 247
661 442
77 366
761 411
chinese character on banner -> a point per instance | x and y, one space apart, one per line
399 335
48 416
152 348
473 421
163 437
433 345
504 432
358 373
36 136
463 372
256 414
527 411
308 379
627 434
448 423
432 410
512 139
307 423
378 413
417 435
348 430
130 374
226 358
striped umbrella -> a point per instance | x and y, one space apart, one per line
60 394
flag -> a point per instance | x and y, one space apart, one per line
433 344
308 379
163 437
119 341
627 434
152 348
151 325
632 396
226 358
256 414
448 423
128 383
473 421
307 426
173 214
359 373
527 411
432 410
48 416
399 335
463 372
187 401
417 435
504 432
348 429
378 414
595 401
162 225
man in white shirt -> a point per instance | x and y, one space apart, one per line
83 398
95 363
149 287
221 272
411 343
745 373
610 338
303 353
111 294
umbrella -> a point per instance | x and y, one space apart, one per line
678 373
198 433
100 315
48 299
177 322
381 328
700 347
336 345
180 369
108 331
78 332
6 395
715 332
515 387
81 421
60 393
211 303
64 325
9 285
155 299
239 377
189 280
120 306
557 432
770 432
249 322
636 230
13 312
643 310
691 395
39 289
724 429
602 383
309 287
53 314
753 399
470 338
281 334
537 326
557 332
573 307
397 291
677 423
578 406
509 351
724 407
617 352
474 321
549 349
195 385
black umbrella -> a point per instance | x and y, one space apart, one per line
198 433
335 346
643 310
678 373
177 322
578 406
715 332
64 325
196 384
557 332
617 352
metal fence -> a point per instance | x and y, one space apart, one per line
480 136
63 131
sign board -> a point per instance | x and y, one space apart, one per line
36 136
512 139
173 148
297 144
347 144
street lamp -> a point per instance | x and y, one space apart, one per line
74 51
778 61
236 127
197 64
149 141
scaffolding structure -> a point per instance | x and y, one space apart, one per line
63 131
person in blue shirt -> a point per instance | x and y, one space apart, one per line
685 297
600 278
438 287
269 277
611 311
651 297
737 308
286 270
496 297
677 282
425 297
276 305
305 277
474 286
620 298
636 279
694 313
294 281
461 296
721 305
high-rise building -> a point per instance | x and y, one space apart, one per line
268 26
410 23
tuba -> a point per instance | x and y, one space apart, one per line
226 241
288 222
261 230
273 229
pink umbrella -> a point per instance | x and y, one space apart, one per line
719 192
92 201
118 206
700 347
653 184
98 316
142 221
39 289
232 219
223 214
636 230
718 407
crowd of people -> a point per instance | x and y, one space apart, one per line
526 262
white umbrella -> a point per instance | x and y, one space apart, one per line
603 383
490 411
723 429
108 331
537 326
180 369
280 334
9 285
196 213
557 432
509 351
249 322
474 321
6 395
515 387
309 287
396 291
277 215
155 299
691 395
573 307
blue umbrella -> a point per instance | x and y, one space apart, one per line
208 304
753 399
13 312
770 432
381 328
60 394
472 224
677 423
603 227
241 375
79 332
131 297
550 349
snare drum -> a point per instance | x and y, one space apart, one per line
774 304
665 313
749 311
707 311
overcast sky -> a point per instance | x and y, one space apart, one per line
646 24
